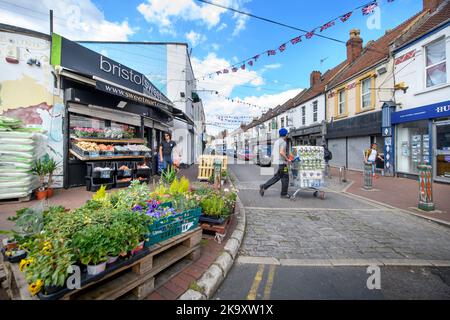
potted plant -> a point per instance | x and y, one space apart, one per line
40 169
51 166
91 243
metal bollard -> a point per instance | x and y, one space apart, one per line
367 176
217 173
425 188
343 174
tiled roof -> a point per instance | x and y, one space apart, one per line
428 23
374 52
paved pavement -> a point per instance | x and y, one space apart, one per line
335 238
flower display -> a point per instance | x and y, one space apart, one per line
35 287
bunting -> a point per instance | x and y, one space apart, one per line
366 9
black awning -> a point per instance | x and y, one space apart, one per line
180 115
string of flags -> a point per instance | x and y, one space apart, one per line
366 9
237 100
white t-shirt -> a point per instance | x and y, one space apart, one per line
279 145
373 155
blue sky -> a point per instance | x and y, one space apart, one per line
219 38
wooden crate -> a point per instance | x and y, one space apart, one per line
136 280
206 165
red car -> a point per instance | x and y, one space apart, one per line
245 155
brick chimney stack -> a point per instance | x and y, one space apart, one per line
431 5
315 78
354 45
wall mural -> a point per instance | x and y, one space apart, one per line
26 89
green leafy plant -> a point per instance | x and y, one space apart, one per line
39 168
92 244
50 167
168 175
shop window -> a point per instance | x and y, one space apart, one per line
315 111
303 115
413 146
341 102
366 93
435 66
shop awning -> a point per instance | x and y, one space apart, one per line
180 115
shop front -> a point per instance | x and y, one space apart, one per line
313 135
114 118
422 136
348 138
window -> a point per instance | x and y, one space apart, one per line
315 111
282 122
435 66
287 121
341 102
303 115
366 93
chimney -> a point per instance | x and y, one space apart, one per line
431 5
315 78
354 45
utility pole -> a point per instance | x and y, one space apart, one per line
51 22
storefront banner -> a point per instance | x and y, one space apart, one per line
105 87
73 56
436 110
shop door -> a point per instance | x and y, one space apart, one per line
442 151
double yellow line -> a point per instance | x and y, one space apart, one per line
257 281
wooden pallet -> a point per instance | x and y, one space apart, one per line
206 165
216 228
136 279
15 200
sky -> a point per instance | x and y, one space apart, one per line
219 38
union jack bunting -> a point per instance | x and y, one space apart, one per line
234 69
296 40
326 26
243 67
282 47
346 16
369 8
256 57
309 35
271 52
225 71
250 63
219 72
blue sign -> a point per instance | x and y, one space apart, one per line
437 110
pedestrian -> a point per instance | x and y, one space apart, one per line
327 155
279 161
177 154
165 151
371 155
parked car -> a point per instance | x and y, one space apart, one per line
245 154
263 156
232 153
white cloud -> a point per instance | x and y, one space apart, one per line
225 84
222 26
165 13
272 66
74 19
215 46
195 38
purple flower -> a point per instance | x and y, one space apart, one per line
137 208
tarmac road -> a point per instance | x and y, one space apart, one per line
321 249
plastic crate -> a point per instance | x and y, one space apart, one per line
190 219
106 174
125 173
163 229
94 186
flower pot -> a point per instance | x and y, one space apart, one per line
11 245
96 269
41 195
111 260
49 192
138 248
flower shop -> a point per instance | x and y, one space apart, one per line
115 245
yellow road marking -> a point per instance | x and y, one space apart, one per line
254 289
268 288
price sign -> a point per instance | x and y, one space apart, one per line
105 174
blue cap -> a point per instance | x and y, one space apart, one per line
283 132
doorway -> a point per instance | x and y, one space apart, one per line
442 151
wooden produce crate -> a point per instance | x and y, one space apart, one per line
206 165
132 280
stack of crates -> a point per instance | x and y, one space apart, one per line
100 173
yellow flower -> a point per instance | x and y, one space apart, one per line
34 288
25 263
